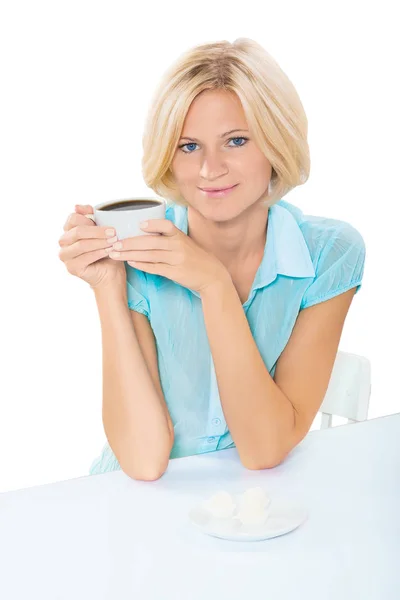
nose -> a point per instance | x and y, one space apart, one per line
213 167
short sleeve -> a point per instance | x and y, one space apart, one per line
136 288
340 266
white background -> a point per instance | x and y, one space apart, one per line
76 81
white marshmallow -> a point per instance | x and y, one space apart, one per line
221 505
253 506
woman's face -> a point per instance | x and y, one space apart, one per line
207 157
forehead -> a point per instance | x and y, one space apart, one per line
215 108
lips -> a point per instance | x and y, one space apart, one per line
218 189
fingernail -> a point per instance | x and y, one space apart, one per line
144 224
110 232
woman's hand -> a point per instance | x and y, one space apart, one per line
85 248
172 254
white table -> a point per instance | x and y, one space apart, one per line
107 536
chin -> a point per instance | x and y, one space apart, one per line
220 213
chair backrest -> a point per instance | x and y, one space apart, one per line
349 389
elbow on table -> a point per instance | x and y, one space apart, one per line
259 464
149 469
149 474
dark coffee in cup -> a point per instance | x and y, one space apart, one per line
130 205
126 215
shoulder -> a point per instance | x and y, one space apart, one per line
326 236
337 251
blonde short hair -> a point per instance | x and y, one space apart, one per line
272 107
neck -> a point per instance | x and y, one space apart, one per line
238 241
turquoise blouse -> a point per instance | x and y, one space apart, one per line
307 260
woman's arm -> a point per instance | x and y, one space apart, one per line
267 418
135 416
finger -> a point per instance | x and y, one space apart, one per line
81 247
163 226
145 242
153 268
154 256
85 232
75 219
84 209
91 217
77 265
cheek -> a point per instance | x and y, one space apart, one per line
260 171
184 172
178 168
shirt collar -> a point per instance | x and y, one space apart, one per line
286 252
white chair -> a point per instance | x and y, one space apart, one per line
349 390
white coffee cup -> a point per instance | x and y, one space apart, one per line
126 222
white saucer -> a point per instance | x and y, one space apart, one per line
283 518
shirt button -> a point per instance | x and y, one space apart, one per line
210 440
216 421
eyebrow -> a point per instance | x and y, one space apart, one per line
221 136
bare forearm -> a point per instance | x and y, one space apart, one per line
135 418
258 414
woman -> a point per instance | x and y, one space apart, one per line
223 330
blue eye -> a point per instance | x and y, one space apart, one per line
187 146
239 138
189 151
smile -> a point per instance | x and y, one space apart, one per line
218 193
